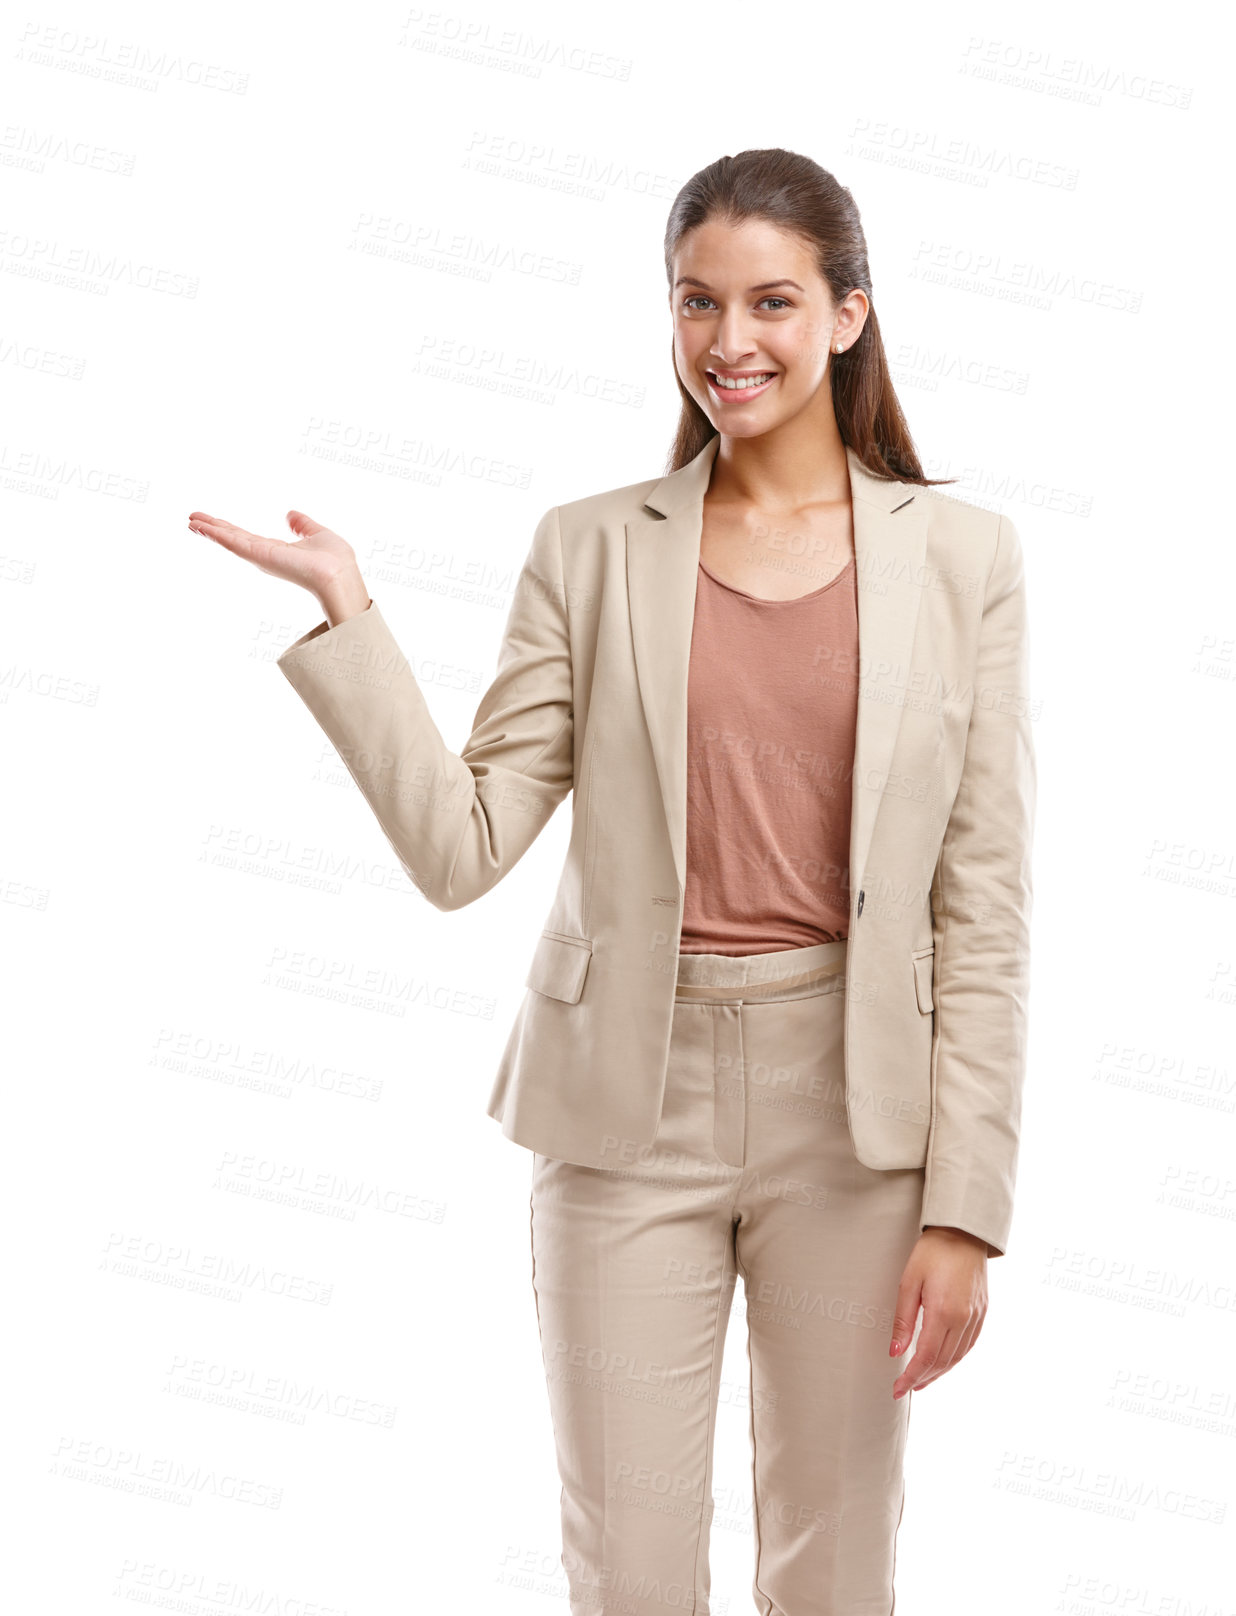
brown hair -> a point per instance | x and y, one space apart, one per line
796 193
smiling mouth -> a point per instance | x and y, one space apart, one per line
740 387
740 384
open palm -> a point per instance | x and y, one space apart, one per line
314 560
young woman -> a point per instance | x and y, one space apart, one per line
776 1019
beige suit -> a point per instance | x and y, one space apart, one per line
591 695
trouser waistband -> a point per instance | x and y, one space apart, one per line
752 977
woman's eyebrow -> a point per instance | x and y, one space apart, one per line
764 286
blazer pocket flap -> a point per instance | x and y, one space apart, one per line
924 975
559 966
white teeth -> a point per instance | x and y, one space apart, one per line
737 384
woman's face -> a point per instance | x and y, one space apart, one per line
751 308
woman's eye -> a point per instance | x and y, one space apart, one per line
697 298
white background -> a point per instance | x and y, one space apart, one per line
262 259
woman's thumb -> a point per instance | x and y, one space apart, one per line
302 524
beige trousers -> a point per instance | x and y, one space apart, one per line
752 1172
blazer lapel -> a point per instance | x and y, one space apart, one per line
663 551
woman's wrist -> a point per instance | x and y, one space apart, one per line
345 596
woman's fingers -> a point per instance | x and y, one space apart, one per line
946 1337
957 1343
279 557
250 545
926 1354
312 559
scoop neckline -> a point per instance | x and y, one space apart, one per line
764 600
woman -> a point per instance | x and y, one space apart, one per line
775 1023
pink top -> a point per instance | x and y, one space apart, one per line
772 707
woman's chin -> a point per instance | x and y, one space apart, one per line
743 426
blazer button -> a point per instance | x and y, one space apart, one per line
860 903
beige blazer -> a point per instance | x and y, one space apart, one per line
591 697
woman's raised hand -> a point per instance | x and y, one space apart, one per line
318 559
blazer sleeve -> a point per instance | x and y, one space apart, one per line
457 822
981 905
